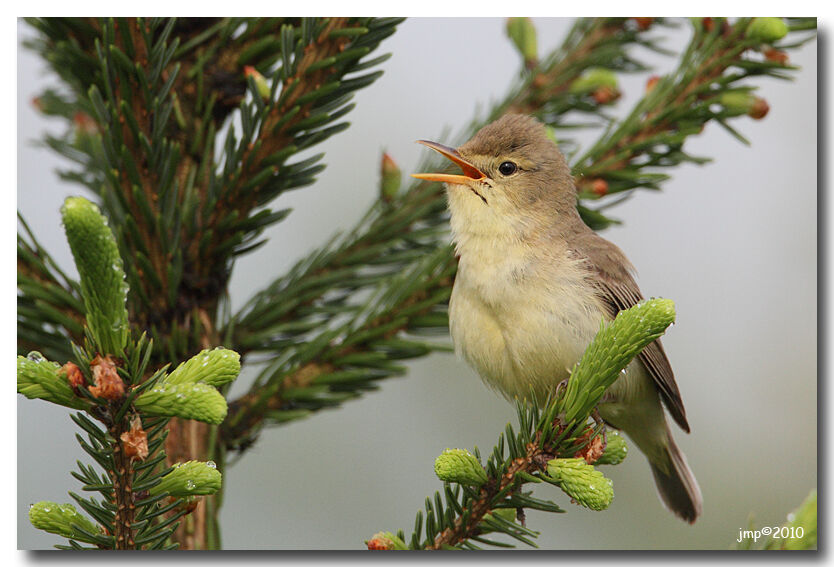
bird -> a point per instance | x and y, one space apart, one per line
533 284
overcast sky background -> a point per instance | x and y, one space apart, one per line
733 243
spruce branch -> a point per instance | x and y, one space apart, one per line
144 136
677 106
121 407
49 308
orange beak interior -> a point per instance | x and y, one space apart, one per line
470 172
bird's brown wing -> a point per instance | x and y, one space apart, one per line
611 274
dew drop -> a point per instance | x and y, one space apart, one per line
211 464
189 485
35 356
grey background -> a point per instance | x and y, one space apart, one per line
732 242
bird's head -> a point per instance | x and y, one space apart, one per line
514 179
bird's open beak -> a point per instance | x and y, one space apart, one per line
470 172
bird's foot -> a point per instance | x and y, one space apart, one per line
599 421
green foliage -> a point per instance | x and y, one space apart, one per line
767 29
61 519
582 482
522 33
102 275
40 378
215 367
593 79
616 450
461 466
189 479
188 401
797 534
610 352
121 403
804 517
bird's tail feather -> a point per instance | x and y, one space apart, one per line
676 484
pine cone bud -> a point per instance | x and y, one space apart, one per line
59 519
386 541
214 367
260 81
461 466
736 103
582 482
616 449
188 401
103 285
522 33
42 379
593 80
767 30
390 178
191 478
759 109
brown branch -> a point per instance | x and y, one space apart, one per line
122 478
534 460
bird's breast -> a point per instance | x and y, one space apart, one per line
521 318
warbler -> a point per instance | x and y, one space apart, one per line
534 283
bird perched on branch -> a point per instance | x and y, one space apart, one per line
534 283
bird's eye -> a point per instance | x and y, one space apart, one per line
507 168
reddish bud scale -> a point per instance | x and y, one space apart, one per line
605 95
759 109
135 442
651 82
599 187
644 23
84 123
776 56
592 450
379 544
74 376
108 383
